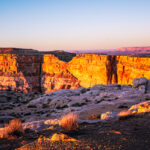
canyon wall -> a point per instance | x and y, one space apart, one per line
87 70
55 75
93 69
129 68
20 72
46 73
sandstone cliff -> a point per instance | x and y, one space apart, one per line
46 73
90 69
55 75
20 73
129 68
93 69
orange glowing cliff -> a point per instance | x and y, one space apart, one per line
34 71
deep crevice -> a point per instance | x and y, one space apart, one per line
111 69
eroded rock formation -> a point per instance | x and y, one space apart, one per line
93 69
29 71
55 75
20 73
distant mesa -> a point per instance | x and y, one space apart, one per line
18 51
132 51
62 55
120 51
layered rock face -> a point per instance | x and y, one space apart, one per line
20 72
129 68
93 69
89 69
55 75
34 71
29 72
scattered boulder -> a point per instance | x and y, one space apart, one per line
81 100
136 109
141 84
108 115
139 81
143 107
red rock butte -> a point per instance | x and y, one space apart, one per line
33 71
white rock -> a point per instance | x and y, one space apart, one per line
139 81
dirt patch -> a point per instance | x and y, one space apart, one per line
131 133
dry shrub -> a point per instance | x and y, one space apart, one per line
14 128
69 122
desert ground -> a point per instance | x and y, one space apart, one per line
109 117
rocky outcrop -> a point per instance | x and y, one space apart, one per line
20 73
55 75
89 69
129 68
31 71
98 99
93 69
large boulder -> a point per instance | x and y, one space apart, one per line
141 84
108 115
139 81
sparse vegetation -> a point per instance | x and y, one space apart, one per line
14 128
69 122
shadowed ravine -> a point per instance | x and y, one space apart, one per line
111 66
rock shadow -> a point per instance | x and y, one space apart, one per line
29 72
111 68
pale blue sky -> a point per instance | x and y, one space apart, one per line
74 24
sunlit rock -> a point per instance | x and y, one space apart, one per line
32 71
107 115
140 108
61 137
